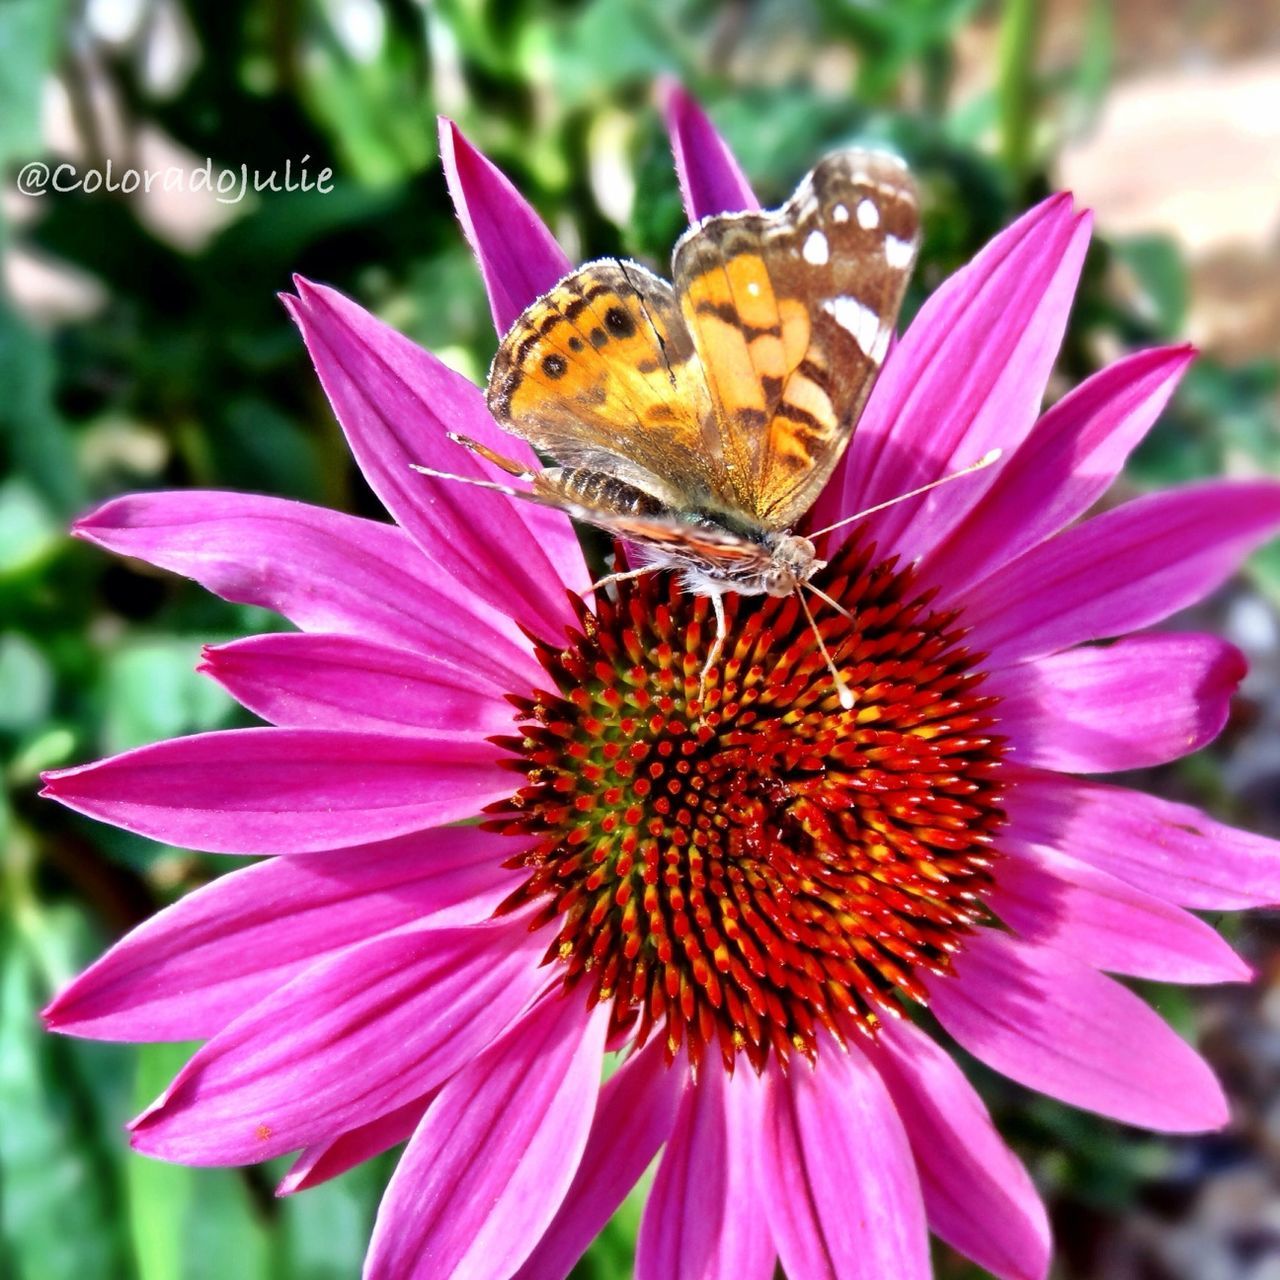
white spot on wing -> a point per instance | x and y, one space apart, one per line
860 321
753 288
898 253
868 215
816 249
840 213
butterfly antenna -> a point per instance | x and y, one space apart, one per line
985 461
829 600
479 484
503 464
842 687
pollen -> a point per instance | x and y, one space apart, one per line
736 863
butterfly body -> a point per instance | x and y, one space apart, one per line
714 550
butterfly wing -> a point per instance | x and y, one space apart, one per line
790 314
601 374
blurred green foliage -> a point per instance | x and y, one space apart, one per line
181 369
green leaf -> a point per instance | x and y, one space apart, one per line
160 1195
28 530
26 683
31 430
1092 76
1015 81
612 43
60 1195
152 691
374 100
324 1231
1163 290
191 1224
1265 568
29 31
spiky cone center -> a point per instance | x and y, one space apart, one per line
736 871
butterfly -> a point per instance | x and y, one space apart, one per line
698 420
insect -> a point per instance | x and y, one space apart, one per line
698 420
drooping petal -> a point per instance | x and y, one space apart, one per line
518 256
838 1212
633 1118
1060 470
749 1249
322 570
340 682
285 790
711 180
1169 849
355 1036
1052 1023
702 1219
496 1152
968 375
1050 898
1122 570
324 1160
977 1194
1142 701
396 403
194 967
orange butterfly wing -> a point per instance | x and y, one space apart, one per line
601 374
791 313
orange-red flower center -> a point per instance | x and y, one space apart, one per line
736 871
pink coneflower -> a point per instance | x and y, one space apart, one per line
742 899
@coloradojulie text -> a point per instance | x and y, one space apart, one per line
228 184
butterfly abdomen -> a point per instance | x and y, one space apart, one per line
590 488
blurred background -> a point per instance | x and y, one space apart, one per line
141 345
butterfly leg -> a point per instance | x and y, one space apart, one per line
622 577
717 645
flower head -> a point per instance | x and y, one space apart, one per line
740 884
746 864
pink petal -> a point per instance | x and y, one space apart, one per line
396 402
1171 850
968 375
322 570
839 1183
285 790
496 1152
976 1192
711 180
1051 899
1142 701
188 971
351 1038
327 1160
1061 469
519 258
702 1219
1053 1024
1122 570
341 682
633 1118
